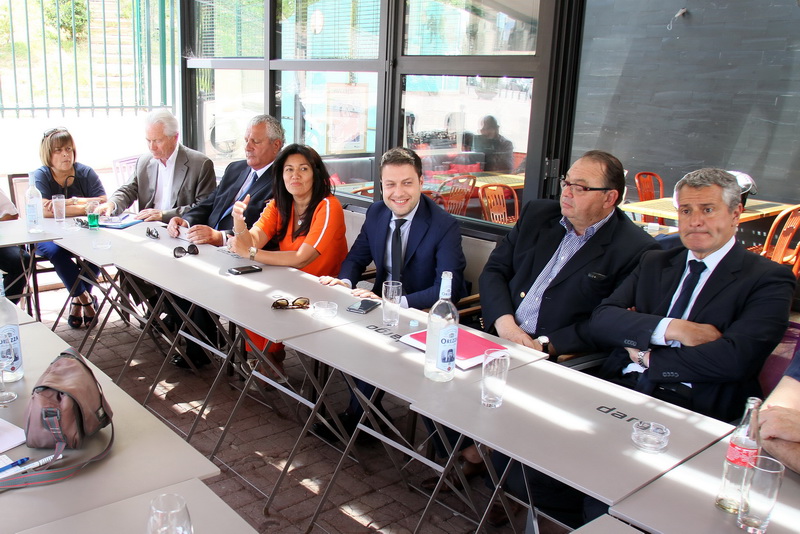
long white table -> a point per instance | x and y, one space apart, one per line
209 514
146 454
683 500
605 524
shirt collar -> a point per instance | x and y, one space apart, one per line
410 215
713 259
260 172
171 159
591 230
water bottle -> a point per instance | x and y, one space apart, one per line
442 336
33 207
9 337
743 446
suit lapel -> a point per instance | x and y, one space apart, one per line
378 246
546 246
669 280
152 173
179 175
419 227
723 276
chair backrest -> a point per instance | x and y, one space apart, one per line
456 193
367 191
434 195
646 187
123 169
11 191
785 225
18 187
494 203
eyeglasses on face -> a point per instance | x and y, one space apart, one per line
152 233
297 304
578 189
51 131
180 252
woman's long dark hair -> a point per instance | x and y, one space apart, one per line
283 199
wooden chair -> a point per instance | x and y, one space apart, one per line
785 226
456 193
366 191
494 201
433 195
646 186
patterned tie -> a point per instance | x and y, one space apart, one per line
397 250
242 193
645 385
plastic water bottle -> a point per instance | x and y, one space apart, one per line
442 336
743 446
33 208
9 336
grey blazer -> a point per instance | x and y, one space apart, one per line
194 180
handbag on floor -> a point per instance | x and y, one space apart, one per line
67 405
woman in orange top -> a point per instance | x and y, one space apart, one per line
304 220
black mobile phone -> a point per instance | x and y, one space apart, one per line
246 269
364 306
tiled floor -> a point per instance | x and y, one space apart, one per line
368 497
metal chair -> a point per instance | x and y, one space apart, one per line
494 201
123 169
785 226
646 186
456 193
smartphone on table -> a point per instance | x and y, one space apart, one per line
364 306
246 269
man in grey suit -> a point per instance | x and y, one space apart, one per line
167 182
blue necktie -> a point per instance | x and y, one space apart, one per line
242 193
645 385
397 250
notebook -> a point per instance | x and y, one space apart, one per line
469 351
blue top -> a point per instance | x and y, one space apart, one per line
86 184
794 367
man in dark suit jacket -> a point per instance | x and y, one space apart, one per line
699 344
169 180
545 278
431 245
210 221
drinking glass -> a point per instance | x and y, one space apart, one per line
6 359
169 515
392 292
59 209
493 380
91 214
762 480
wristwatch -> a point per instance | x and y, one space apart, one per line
545 342
640 357
253 251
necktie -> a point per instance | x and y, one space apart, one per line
688 287
645 385
397 250
242 193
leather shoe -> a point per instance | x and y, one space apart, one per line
430 483
348 421
497 515
469 469
179 362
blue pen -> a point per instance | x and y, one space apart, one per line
14 464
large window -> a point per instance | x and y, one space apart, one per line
229 28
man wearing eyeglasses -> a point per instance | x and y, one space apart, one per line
168 181
548 274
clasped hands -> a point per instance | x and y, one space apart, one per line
356 292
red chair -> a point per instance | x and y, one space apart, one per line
493 201
646 186
456 193
366 191
785 226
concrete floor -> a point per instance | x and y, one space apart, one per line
368 497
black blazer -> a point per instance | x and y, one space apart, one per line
210 210
747 298
590 276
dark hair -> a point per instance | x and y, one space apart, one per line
613 172
283 199
402 156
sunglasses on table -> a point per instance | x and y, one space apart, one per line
300 303
152 233
180 252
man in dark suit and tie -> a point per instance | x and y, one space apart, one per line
168 181
210 221
410 239
694 325
545 278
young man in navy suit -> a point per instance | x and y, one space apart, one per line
431 244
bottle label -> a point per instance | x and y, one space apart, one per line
446 353
32 214
9 343
738 455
